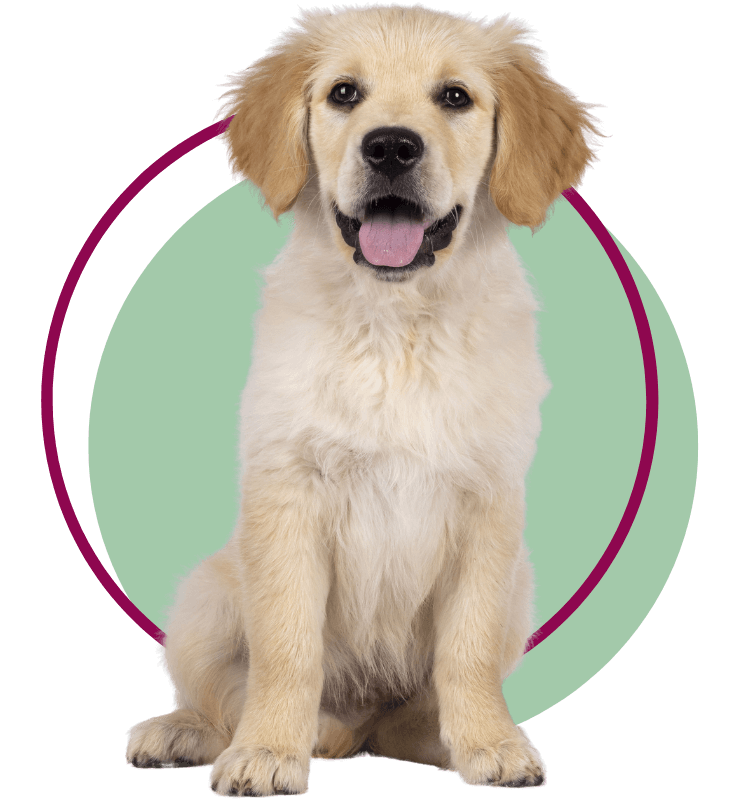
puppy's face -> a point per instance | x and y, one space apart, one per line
402 113
401 136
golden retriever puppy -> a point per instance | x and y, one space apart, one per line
376 590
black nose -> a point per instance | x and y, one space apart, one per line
392 151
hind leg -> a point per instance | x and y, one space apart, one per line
411 733
344 728
183 738
207 659
335 739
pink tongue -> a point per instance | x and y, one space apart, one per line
390 238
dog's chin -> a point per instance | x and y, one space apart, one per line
437 236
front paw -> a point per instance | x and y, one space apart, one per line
259 770
509 762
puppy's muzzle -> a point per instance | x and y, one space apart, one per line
394 232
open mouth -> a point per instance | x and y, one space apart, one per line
394 238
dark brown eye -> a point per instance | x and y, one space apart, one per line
344 93
456 98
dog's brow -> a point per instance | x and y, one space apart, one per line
355 80
446 83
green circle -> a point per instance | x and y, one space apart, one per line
163 429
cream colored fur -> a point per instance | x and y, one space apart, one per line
377 589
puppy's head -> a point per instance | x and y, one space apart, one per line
402 113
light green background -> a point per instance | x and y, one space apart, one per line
163 429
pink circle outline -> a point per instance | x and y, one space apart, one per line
182 149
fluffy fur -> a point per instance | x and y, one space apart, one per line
377 589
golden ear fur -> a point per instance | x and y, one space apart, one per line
540 128
540 131
268 136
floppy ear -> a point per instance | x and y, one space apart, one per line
268 136
539 129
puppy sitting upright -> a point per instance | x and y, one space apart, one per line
376 591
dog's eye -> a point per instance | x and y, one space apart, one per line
344 93
454 97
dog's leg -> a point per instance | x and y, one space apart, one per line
477 617
285 571
184 738
411 733
206 656
335 739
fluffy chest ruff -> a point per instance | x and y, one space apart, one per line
397 411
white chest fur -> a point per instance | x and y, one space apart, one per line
402 405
